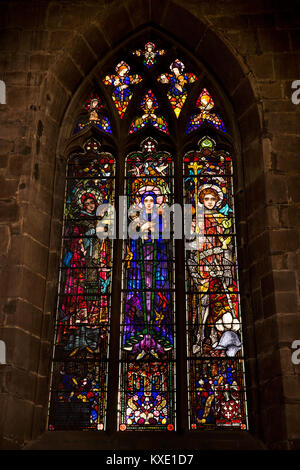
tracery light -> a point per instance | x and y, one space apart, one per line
93 116
149 54
122 83
205 103
177 80
149 104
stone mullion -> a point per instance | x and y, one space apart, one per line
181 350
113 369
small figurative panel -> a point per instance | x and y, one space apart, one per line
149 54
205 103
122 83
149 104
78 395
214 334
217 395
147 369
79 375
147 399
177 80
93 116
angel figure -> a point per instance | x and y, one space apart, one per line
205 103
122 82
149 54
210 262
149 104
93 116
178 80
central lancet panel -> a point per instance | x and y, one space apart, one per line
147 353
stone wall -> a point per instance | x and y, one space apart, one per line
47 49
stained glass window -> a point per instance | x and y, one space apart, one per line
79 373
148 357
214 334
147 370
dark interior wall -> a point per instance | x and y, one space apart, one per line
48 51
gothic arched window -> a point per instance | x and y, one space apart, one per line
149 286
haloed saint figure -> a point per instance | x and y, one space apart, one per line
148 350
82 307
213 318
79 368
148 326
210 263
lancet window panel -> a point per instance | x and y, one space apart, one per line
147 356
214 331
80 359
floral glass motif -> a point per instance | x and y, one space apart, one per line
205 103
149 54
147 368
149 104
178 80
79 375
122 83
214 334
93 116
